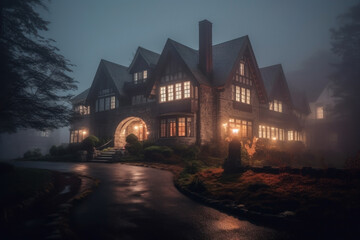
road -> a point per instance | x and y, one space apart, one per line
142 203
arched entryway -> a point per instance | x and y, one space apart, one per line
128 126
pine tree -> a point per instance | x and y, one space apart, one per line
346 80
34 76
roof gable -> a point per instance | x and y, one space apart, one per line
80 98
275 83
151 58
115 73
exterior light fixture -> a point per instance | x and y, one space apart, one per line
84 132
235 131
136 127
147 133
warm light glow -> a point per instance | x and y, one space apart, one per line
235 131
136 127
84 132
225 125
274 138
147 133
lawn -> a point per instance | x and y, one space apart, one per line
303 196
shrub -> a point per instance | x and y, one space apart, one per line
89 143
193 167
133 146
158 153
35 153
132 139
58 150
197 185
187 152
147 143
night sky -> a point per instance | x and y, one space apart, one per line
281 31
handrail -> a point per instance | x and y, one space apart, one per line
102 146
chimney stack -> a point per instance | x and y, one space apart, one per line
205 47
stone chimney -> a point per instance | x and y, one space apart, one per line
205 47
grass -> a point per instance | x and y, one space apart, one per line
23 183
270 193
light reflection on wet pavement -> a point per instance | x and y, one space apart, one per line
141 203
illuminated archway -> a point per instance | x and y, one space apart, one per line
128 126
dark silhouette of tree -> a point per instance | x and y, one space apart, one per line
33 75
346 80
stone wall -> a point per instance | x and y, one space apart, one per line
207 114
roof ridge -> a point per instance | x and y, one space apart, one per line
245 36
182 45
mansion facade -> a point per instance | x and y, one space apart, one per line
190 96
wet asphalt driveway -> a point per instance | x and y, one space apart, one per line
142 203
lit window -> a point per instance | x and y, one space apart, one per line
319 112
170 92
244 127
237 96
186 89
243 95
242 69
172 127
145 74
162 94
248 96
112 103
178 91
182 127
276 106
290 136
271 105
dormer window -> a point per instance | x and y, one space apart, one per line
82 110
241 94
176 91
320 112
276 106
140 77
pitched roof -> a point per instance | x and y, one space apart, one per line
191 59
300 101
275 82
80 97
270 76
150 57
224 57
118 73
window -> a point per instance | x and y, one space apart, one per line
172 127
241 94
170 92
244 127
182 90
163 128
182 127
242 69
290 135
101 104
162 94
276 106
107 103
319 112
145 74
187 89
77 136
271 132
82 110
176 127
140 77
178 91
112 102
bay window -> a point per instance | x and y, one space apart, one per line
176 127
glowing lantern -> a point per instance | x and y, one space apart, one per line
235 131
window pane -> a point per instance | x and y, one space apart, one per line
172 127
248 96
101 104
181 126
162 94
243 95
178 91
189 127
163 128
145 74
187 89
280 106
112 102
320 112
107 103
242 69
170 92
237 94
